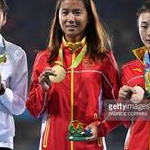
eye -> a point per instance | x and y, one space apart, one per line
77 12
144 26
64 12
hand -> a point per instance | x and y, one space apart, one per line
44 78
94 131
126 92
2 89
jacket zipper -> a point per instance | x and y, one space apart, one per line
72 96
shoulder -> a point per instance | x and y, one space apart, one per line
43 55
41 62
109 59
132 64
110 56
13 49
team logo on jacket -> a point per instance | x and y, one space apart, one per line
137 69
88 63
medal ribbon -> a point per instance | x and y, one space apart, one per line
74 47
146 61
3 58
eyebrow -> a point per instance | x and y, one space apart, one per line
76 9
64 9
145 21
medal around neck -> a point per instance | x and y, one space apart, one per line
60 74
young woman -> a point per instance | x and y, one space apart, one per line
13 84
135 81
79 52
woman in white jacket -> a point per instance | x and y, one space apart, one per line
13 84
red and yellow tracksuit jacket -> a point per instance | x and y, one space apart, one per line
132 75
79 96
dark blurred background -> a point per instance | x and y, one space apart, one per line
28 25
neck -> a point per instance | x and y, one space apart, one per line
74 45
74 39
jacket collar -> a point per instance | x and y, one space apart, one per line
139 53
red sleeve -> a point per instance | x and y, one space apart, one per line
106 126
110 92
38 98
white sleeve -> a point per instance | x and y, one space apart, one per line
14 97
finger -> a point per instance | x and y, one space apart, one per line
46 77
124 94
125 89
46 80
128 89
49 71
91 138
41 75
87 131
132 90
46 86
52 73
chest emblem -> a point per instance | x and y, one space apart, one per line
137 69
87 63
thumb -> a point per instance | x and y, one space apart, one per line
132 90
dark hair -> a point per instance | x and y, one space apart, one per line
144 8
98 41
4 7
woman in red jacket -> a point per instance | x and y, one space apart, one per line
73 77
135 81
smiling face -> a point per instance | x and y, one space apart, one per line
144 28
73 19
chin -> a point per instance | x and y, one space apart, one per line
148 46
71 35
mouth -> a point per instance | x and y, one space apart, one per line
148 41
71 26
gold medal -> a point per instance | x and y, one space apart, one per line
60 74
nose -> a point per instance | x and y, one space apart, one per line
148 30
71 18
